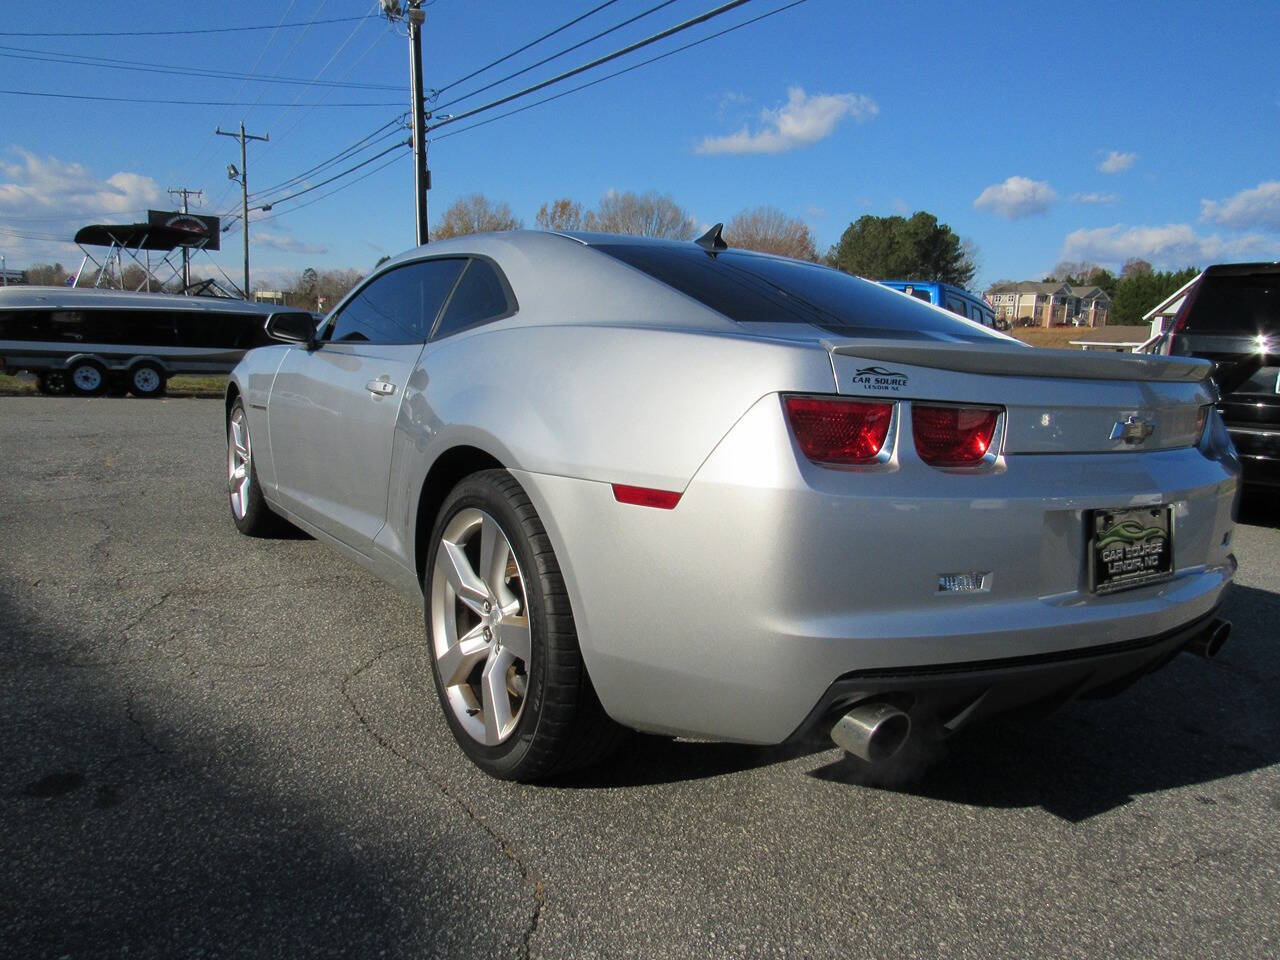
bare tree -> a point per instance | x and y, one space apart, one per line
562 214
475 214
769 230
1135 267
649 214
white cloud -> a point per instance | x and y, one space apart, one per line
1095 198
1172 245
1016 198
1255 209
803 121
46 186
44 198
284 242
818 213
1117 162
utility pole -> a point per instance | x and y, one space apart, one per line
415 16
243 176
421 175
186 251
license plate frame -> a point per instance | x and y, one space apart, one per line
1130 547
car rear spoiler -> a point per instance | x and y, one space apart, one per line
1016 360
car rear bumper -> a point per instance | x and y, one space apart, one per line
732 614
944 699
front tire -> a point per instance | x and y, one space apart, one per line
501 638
87 378
249 510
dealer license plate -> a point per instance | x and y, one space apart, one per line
1130 548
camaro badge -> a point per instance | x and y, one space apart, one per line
878 378
1133 429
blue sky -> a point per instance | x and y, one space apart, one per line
1039 132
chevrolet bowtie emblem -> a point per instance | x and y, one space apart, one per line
1133 430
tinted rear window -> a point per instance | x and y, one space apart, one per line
1235 306
750 288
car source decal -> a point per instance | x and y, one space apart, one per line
878 378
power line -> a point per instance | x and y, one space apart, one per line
630 48
531 43
364 142
192 103
177 33
556 56
618 73
336 176
107 63
349 183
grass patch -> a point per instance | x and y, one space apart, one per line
1061 337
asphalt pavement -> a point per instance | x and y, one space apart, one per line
219 746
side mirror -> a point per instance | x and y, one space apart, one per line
292 328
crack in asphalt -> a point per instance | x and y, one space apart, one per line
164 597
139 726
508 850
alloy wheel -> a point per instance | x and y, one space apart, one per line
239 460
480 626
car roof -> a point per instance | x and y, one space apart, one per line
69 298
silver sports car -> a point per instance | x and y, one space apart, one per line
686 489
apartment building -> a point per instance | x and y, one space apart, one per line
1050 304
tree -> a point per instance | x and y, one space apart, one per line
47 275
562 214
769 230
919 248
649 214
1139 292
475 214
307 282
1135 267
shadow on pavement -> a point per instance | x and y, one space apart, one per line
1260 507
1190 724
136 825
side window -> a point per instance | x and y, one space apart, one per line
399 306
481 296
955 306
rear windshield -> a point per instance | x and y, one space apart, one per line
1233 306
750 288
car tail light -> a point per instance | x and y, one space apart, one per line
646 496
838 431
953 436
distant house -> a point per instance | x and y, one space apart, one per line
1162 314
1050 304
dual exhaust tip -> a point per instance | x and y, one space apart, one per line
873 732
1209 643
876 731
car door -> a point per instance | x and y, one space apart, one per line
333 408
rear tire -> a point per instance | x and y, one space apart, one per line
501 638
51 383
147 380
87 378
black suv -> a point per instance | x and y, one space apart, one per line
1232 317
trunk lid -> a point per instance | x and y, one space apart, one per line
1056 401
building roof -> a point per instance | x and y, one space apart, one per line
1030 286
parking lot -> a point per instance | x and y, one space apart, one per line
218 746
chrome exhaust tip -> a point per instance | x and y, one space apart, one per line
873 732
1209 643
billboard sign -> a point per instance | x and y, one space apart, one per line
205 231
